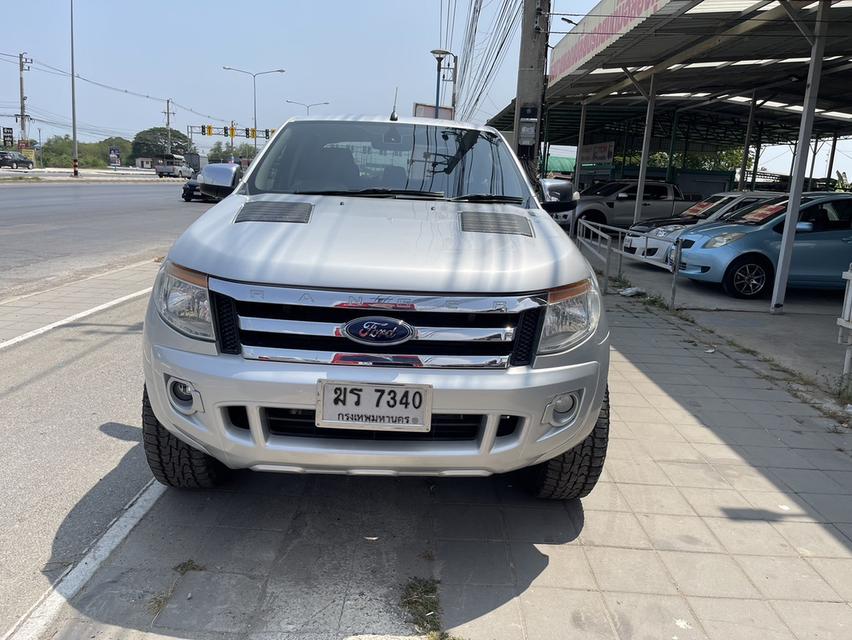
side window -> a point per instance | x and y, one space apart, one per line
630 192
656 192
843 211
833 215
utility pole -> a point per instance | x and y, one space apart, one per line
23 61
74 157
532 65
169 113
40 149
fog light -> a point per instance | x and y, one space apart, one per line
564 404
183 396
561 410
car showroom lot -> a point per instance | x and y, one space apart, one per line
725 512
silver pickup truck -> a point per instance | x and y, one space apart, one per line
614 203
377 297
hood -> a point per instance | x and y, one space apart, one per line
712 229
382 244
655 223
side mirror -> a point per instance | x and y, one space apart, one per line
804 227
217 181
622 196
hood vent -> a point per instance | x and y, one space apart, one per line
492 222
270 211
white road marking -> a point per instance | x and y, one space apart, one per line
75 317
35 622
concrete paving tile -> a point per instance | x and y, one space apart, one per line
390 561
817 620
814 539
737 619
481 612
842 478
543 525
722 453
810 480
640 414
479 491
835 508
747 478
786 579
655 499
753 537
827 460
635 472
633 570
696 475
189 507
620 448
550 565
611 529
246 551
678 533
672 452
653 431
605 497
311 607
230 602
805 440
721 503
587 619
627 400
778 506
708 574
730 419
837 572
473 562
158 545
652 616
257 511
322 519
372 609
269 484
775 457
468 522
753 437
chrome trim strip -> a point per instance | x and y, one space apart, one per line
333 330
380 360
376 302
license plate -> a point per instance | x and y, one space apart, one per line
380 407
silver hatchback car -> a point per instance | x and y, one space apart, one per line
378 297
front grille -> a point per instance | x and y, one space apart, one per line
307 327
446 427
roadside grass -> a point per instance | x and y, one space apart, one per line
421 602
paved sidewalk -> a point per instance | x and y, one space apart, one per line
725 512
22 314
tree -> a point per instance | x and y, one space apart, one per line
155 141
217 153
57 151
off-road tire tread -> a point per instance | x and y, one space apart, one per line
574 473
173 462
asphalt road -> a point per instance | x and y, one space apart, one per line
70 456
52 233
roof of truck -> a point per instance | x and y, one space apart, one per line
386 119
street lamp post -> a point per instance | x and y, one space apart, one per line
254 91
439 54
306 106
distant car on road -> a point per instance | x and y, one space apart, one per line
613 203
173 166
741 252
665 231
190 188
15 160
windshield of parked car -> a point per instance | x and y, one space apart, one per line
706 207
389 159
604 189
763 212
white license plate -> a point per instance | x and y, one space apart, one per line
380 407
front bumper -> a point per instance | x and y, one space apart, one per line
706 265
224 380
645 247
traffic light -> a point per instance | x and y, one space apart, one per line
225 131
209 129
254 133
232 132
266 133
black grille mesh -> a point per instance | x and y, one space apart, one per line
526 337
490 222
265 211
226 323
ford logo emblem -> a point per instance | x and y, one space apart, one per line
378 330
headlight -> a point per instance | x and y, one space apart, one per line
662 232
722 239
182 301
572 315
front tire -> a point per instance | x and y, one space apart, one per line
574 473
173 462
748 277
30 166
14 165
187 197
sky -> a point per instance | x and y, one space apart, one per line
350 54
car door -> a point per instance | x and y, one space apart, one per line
820 256
623 204
657 202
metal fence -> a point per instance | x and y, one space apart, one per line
844 335
608 243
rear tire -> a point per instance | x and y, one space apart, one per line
173 462
574 473
30 166
14 165
748 277
187 198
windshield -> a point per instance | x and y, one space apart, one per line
706 208
605 189
763 212
389 159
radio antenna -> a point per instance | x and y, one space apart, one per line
393 116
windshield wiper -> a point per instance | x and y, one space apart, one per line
488 197
374 191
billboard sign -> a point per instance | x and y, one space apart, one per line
8 137
424 110
600 153
605 24
114 157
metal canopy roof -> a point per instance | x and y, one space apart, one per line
708 59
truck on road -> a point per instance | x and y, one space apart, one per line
379 297
172 165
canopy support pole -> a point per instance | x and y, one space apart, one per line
831 156
580 136
758 148
800 163
672 141
646 151
747 145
